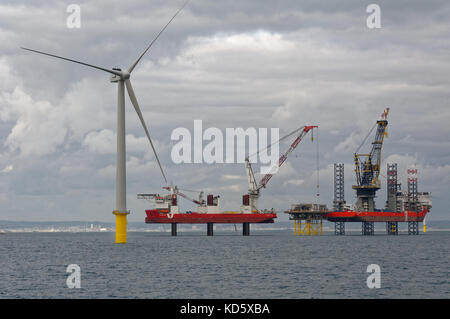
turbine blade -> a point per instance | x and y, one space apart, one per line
70 60
131 68
138 111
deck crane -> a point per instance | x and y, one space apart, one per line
250 200
367 167
176 190
170 202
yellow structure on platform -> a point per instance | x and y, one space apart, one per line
394 228
308 227
425 224
121 227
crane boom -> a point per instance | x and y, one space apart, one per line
367 166
176 191
284 157
253 187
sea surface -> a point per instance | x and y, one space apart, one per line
267 264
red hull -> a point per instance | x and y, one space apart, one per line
154 216
352 216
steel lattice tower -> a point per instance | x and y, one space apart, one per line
339 183
391 204
413 226
339 198
412 189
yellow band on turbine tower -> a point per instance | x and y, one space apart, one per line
121 227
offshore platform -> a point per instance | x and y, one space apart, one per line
408 206
166 210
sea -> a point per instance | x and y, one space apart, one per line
268 264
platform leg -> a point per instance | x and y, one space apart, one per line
246 229
413 228
339 228
368 228
174 229
321 228
392 228
210 229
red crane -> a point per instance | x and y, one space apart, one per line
253 190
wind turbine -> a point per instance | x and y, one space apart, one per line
122 78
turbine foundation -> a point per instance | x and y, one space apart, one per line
121 227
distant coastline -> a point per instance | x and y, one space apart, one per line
95 226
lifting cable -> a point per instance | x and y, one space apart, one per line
364 141
281 139
317 164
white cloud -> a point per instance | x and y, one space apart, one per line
350 144
295 182
102 142
8 169
228 177
235 188
231 65
39 127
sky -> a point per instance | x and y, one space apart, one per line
262 64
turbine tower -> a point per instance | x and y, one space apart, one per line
122 78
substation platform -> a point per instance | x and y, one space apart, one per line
308 218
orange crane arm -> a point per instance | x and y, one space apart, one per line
284 157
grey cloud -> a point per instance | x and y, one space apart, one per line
319 65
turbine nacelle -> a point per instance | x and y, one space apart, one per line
119 75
